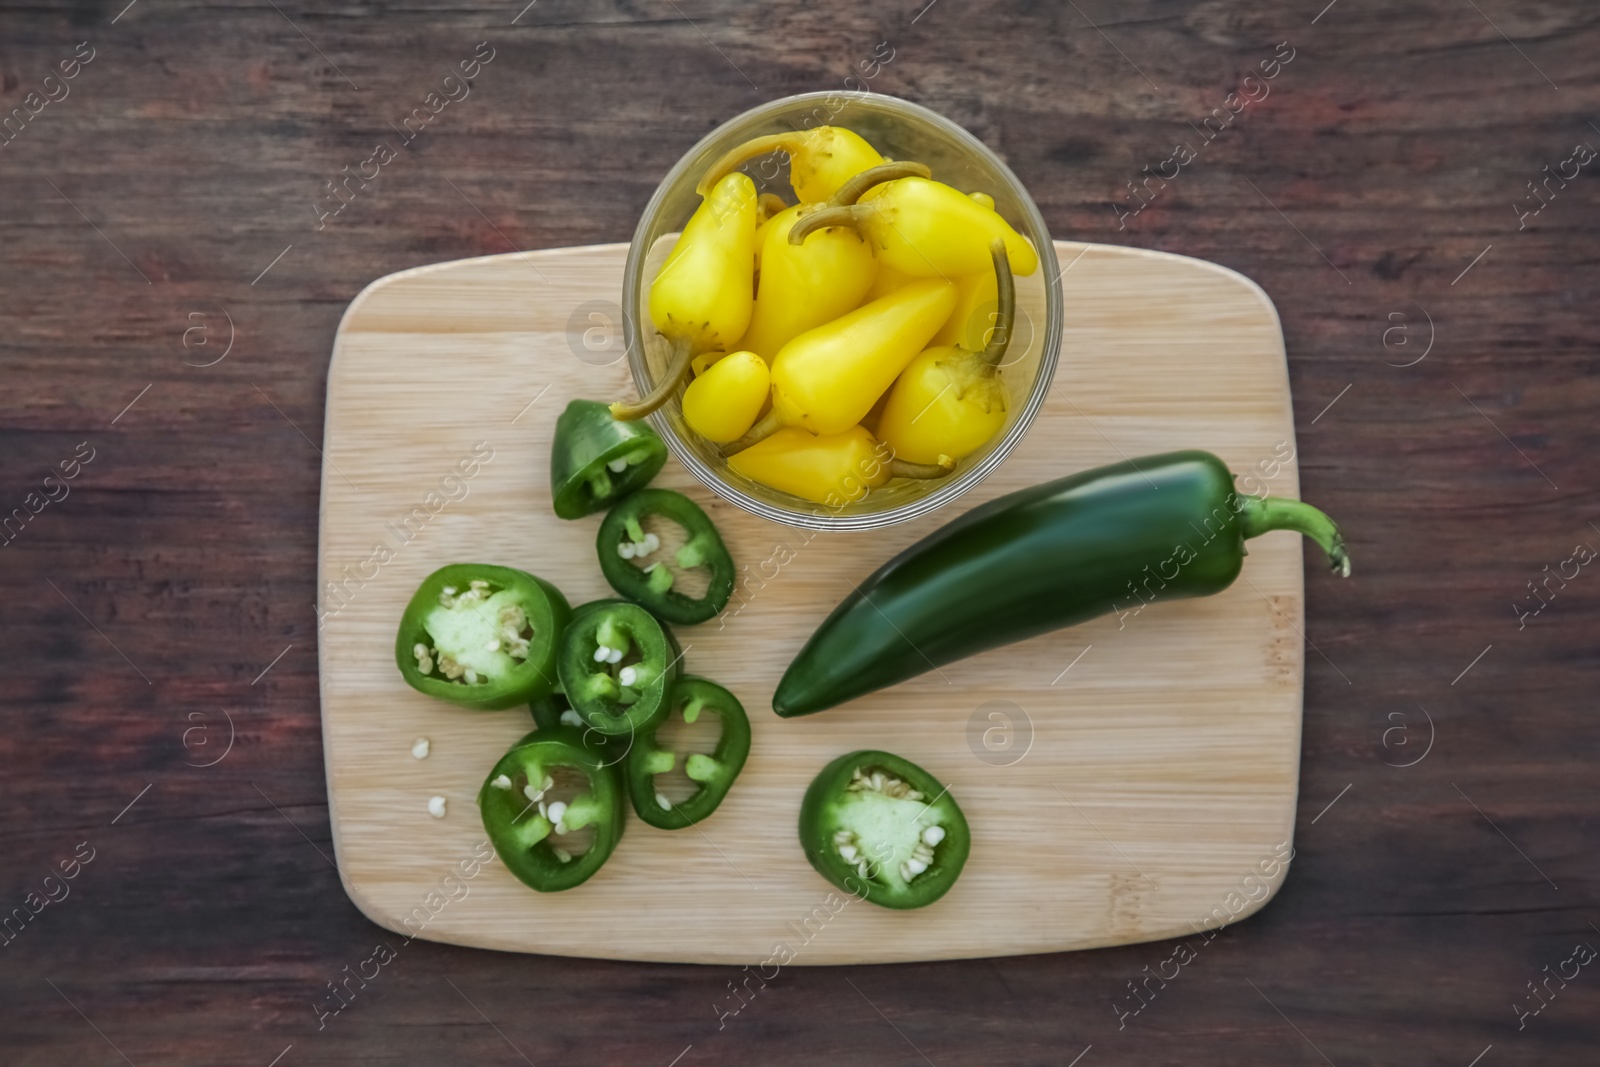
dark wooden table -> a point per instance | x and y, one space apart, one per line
159 579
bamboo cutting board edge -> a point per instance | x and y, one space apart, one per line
384 915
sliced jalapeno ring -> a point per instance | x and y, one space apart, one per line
617 665
713 774
553 717
539 837
481 636
596 460
884 829
637 566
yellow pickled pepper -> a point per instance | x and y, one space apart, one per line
950 401
976 301
820 160
804 286
831 469
701 299
924 228
827 379
723 402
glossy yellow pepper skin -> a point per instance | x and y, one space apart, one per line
950 400
723 402
977 299
827 379
702 298
925 228
804 286
820 160
832 469
885 282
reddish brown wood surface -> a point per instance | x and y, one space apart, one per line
1372 190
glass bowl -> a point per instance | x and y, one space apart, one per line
899 130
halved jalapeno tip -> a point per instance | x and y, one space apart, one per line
553 812
617 664
638 564
482 636
596 460
882 828
711 774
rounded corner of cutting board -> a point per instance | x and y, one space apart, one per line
1193 788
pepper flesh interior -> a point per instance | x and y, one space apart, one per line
539 790
673 550
476 635
879 825
689 739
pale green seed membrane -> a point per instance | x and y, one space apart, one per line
887 830
477 636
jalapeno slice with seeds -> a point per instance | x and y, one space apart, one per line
713 773
596 460
617 666
884 829
539 837
635 564
481 636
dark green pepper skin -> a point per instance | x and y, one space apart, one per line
547 610
506 812
1110 539
577 668
587 438
822 813
704 547
733 747
547 722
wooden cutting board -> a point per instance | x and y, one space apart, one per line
1125 780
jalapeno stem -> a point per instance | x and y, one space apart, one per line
1262 515
768 205
762 430
843 215
1006 316
677 370
899 468
852 189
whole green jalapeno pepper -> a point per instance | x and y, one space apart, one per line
626 550
481 636
596 460
713 774
617 665
1110 539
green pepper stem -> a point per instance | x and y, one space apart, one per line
850 215
851 190
677 370
1263 514
1006 287
789 141
759 432
899 468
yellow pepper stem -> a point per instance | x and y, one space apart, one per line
844 215
759 146
768 205
851 190
677 370
1000 335
899 468
762 430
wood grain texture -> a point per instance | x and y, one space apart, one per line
1396 142
1133 799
